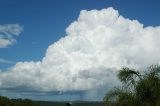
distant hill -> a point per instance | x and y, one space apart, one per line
86 103
4 101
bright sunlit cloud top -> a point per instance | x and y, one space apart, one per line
96 45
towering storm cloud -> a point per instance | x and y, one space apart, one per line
96 45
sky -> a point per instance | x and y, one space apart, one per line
71 49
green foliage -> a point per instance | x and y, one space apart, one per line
4 101
138 89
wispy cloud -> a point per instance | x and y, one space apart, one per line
3 61
8 32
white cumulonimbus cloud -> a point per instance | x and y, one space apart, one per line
96 45
8 32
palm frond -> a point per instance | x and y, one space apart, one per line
120 97
137 89
128 76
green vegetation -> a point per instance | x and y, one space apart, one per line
75 103
4 101
139 89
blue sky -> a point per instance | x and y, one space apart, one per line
45 21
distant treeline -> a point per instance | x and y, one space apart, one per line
4 101
74 103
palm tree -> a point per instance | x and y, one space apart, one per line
137 89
